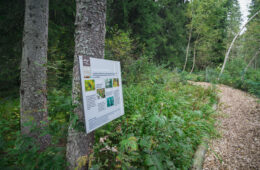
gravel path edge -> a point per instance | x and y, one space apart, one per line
200 153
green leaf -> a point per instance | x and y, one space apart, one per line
148 160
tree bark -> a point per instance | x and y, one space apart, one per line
194 59
33 91
187 49
232 43
89 42
194 55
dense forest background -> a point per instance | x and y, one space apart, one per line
160 44
159 30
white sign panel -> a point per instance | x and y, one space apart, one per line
102 91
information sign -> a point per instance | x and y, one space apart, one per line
101 90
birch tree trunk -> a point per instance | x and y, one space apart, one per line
33 68
187 50
194 58
232 43
89 42
194 54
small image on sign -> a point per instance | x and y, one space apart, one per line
86 61
115 82
89 85
109 83
110 101
101 93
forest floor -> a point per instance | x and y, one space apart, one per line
239 127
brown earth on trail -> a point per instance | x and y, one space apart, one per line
239 126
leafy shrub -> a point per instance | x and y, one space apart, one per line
120 47
164 122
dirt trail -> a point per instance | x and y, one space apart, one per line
239 125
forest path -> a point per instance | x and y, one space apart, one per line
239 126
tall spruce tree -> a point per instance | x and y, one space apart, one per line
234 40
251 38
138 17
233 18
33 93
89 42
210 23
158 27
233 24
171 37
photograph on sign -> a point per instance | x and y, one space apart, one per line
102 91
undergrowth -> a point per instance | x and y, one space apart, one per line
234 75
19 151
165 120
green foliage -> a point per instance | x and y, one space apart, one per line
22 152
61 43
233 19
26 154
11 29
249 42
171 38
120 47
9 122
209 21
166 118
155 26
164 122
234 75
139 17
59 103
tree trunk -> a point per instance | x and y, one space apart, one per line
187 49
194 59
89 42
33 68
250 62
232 43
194 55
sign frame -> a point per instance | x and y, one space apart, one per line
107 114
